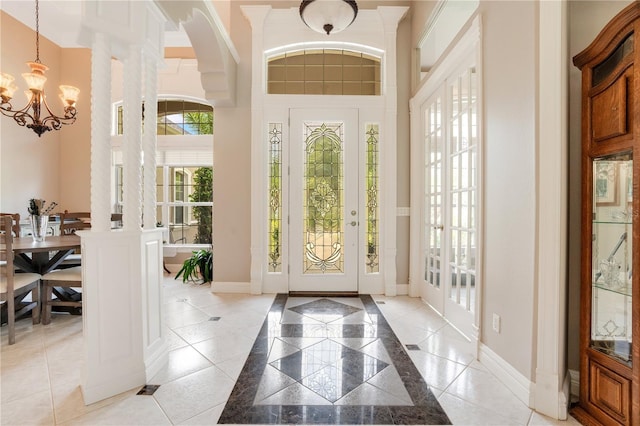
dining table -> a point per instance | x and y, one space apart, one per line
43 256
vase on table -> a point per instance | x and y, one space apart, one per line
39 224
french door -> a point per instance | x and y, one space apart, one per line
323 200
450 203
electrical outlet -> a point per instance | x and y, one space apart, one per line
496 323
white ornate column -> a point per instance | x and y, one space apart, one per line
149 140
132 143
391 16
122 278
100 134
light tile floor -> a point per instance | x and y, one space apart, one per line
40 376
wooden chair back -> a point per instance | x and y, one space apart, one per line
6 240
116 220
15 227
13 287
70 222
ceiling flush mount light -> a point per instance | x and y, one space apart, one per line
30 115
328 16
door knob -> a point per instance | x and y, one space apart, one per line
353 223
440 227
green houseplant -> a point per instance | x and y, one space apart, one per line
198 267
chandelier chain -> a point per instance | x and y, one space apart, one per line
37 32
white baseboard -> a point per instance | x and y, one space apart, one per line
509 376
230 287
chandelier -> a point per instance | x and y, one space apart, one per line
30 115
328 16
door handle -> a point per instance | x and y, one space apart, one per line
440 227
353 223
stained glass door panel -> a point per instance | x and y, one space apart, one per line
324 200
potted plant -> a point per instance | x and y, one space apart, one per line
198 267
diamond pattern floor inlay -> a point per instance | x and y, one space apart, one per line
329 361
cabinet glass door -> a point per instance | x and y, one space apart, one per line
611 319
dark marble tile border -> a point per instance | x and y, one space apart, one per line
240 409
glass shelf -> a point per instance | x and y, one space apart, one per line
624 290
611 256
611 222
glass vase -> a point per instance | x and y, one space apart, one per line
39 224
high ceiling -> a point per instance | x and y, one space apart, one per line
60 21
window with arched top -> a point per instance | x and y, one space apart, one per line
184 173
323 72
178 117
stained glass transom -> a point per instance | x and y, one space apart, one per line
323 197
371 198
275 196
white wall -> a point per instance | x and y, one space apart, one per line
403 57
30 165
509 63
510 86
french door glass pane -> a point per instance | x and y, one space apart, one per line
462 191
433 192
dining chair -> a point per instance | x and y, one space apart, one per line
56 282
15 227
14 287
116 220
70 222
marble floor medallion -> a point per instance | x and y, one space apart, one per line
329 361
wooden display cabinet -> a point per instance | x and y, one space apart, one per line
610 308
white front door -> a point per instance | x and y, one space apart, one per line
323 200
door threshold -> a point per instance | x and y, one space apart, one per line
323 294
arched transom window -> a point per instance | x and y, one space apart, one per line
178 117
323 72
